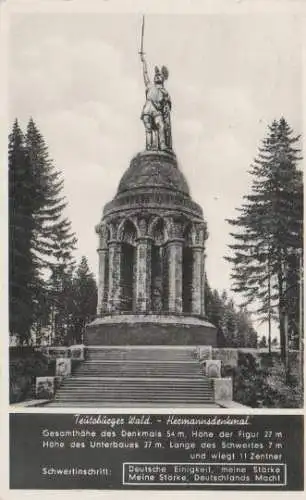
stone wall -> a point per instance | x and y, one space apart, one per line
228 356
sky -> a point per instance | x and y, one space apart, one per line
79 76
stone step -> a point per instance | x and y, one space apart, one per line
133 396
132 367
88 390
143 358
112 391
116 369
135 375
165 382
147 391
138 375
140 364
196 390
193 371
134 404
129 402
141 354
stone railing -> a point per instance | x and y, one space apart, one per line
47 386
211 360
76 352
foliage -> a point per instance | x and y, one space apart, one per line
287 395
24 368
268 231
264 385
84 299
72 295
234 326
25 365
60 294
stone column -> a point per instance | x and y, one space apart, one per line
197 280
114 276
143 274
102 286
175 276
203 309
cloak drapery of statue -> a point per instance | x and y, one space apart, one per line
156 111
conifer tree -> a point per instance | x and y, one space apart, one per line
22 272
269 229
60 297
246 333
53 241
84 299
214 311
41 241
234 326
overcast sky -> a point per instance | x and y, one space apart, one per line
79 76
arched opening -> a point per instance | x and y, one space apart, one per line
158 267
187 270
128 266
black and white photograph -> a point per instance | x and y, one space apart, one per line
155 210
155 335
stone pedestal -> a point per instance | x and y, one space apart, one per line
204 353
77 352
150 330
213 368
63 367
45 387
223 389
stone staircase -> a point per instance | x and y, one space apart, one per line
136 376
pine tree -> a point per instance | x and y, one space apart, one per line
84 299
41 315
269 229
22 273
61 300
53 241
40 236
214 311
234 326
246 334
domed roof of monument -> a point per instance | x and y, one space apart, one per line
155 169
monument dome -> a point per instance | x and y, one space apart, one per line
154 169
